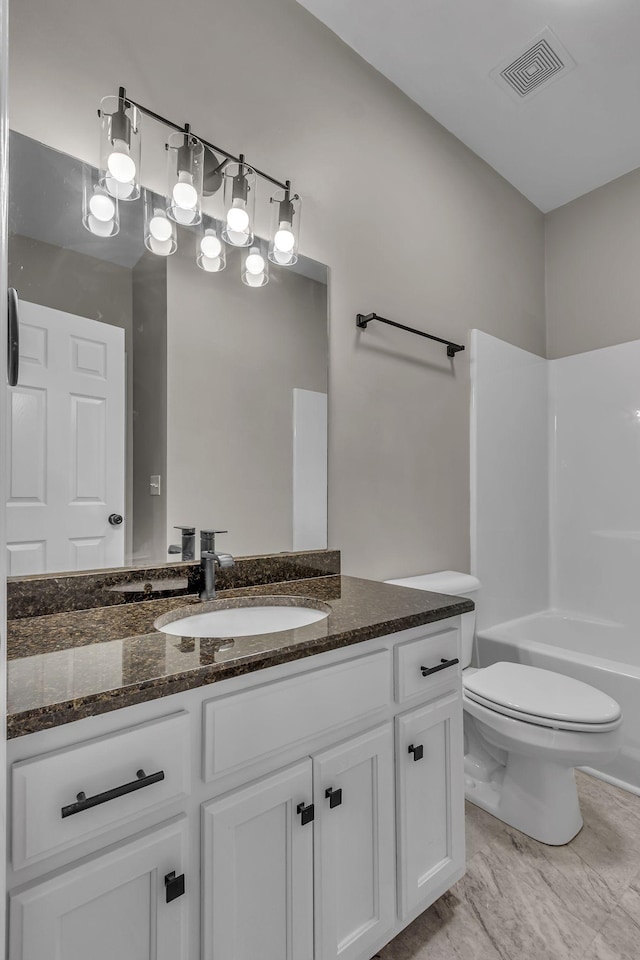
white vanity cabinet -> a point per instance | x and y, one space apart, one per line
315 808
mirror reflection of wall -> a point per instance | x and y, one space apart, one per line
223 389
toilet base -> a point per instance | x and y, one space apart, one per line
537 797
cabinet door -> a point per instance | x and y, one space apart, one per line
258 870
430 784
114 905
354 845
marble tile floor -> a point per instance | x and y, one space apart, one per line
522 900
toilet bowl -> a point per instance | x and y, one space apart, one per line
525 730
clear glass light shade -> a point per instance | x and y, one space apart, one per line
239 204
211 255
255 266
185 170
285 229
100 214
120 148
159 230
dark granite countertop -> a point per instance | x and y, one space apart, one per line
80 663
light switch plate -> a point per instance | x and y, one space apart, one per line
155 485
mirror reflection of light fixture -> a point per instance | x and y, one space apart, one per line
159 230
100 214
285 228
255 266
211 250
239 203
120 146
185 166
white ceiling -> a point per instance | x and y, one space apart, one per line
573 135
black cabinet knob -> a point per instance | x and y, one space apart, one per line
418 752
333 796
306 813
174 886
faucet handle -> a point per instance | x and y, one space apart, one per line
209 533
188 531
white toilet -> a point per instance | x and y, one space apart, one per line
525 730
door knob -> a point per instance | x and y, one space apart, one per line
115 519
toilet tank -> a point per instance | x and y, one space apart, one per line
457 585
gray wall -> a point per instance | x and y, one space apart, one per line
86 287
149 408
234 358
356 148
593 269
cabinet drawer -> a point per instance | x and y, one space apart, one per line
47 813
254 724
430 652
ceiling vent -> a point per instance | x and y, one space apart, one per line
544 61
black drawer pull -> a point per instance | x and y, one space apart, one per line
306 813
333 796
418 752
83 802
427 671
174 886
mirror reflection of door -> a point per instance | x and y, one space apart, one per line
66 448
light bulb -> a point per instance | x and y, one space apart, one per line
210 264
254 279
120 165
284 239
120 190
254 264
282 258
101 228
162 248
210 246
102 207
185 194
237 217
159 227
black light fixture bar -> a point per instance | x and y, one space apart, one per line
122 94
362 320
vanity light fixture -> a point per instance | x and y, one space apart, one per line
285 228
186 164
100 214
120 146
159 230
194 172
211 250
239 203
255 267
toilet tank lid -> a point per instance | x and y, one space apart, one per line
445 581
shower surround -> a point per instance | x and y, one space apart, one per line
555 518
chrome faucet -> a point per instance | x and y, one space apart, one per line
209 560
188 546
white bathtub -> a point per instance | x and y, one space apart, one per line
604 654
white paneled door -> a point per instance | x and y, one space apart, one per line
66 436
258 870
354 845
114 906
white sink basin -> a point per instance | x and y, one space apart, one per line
228 618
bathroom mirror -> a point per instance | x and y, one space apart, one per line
153 393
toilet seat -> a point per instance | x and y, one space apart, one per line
542 697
